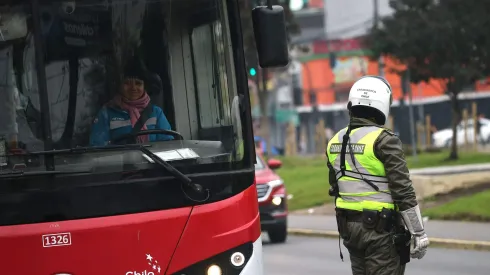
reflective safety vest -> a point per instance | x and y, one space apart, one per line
360 163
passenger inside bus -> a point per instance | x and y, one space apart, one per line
118 117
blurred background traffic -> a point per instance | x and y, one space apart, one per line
335 42
436 56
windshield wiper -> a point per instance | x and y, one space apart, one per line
142 148
21 173
183 178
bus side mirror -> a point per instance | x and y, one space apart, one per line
269 25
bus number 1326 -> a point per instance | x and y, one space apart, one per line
59 239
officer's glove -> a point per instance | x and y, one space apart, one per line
414 223
420 248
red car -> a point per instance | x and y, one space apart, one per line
272 199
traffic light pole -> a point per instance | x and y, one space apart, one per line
376 24
256 78
265 117
264 80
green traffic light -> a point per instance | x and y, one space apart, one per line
253 72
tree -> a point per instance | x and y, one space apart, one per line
446 40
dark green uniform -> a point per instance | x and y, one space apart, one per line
374 253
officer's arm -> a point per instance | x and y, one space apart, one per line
99 135
389 151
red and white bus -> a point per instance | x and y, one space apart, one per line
75 199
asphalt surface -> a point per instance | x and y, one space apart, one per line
472 231
319 256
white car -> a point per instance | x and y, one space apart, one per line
443 138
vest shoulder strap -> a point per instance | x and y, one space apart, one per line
345 142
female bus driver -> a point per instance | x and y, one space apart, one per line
118 117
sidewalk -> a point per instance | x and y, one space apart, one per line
449 170
469 231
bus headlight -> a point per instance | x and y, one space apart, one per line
230 262
214 270
237 259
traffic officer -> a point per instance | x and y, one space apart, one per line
370 182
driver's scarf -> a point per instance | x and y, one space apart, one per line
134 108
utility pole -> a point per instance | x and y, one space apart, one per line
316 115
421 109
331 54
410 111
376 25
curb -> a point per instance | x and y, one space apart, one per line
434 242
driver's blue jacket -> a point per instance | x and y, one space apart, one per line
112 122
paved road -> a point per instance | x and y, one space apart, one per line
319 256
472 231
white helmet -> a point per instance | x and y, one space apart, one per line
372 92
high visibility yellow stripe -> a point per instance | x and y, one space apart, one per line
359 206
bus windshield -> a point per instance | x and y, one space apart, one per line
97 73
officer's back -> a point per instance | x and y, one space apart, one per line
371 184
